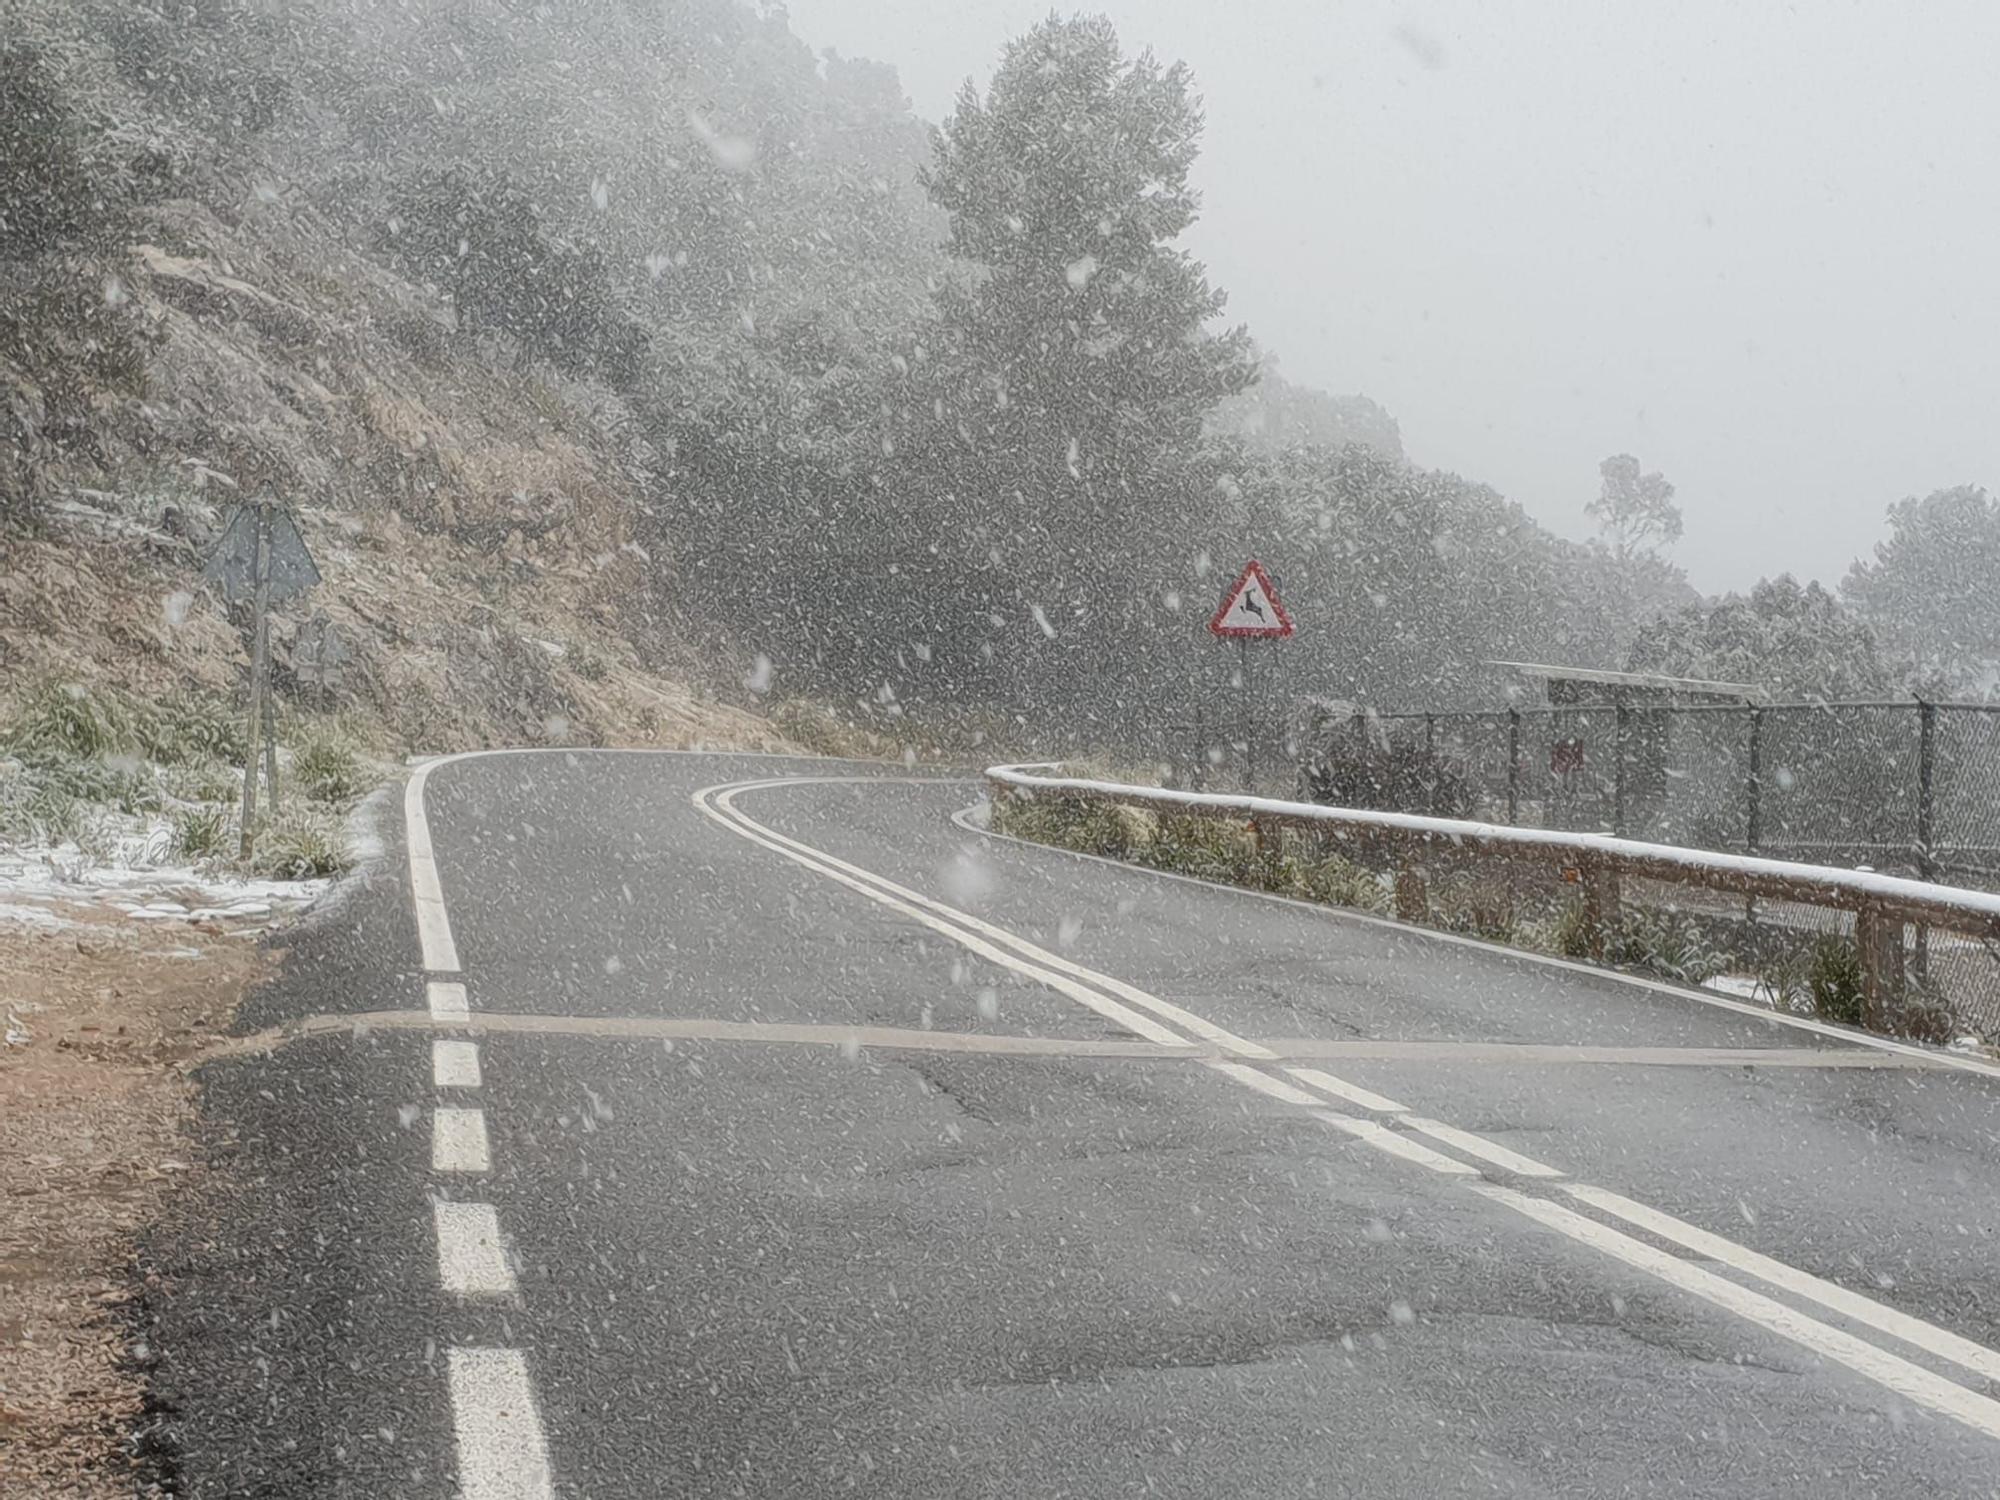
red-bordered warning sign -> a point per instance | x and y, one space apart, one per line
1251 609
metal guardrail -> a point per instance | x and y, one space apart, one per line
1596 863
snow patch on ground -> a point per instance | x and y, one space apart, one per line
38 881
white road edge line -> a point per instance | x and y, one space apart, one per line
1913 1382
426 894
1338 914
454 1064
458 1141
1166 1010
1940 1342
502 1454
471 1260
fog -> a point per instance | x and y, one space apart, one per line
1750 244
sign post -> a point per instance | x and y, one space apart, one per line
260 556
1250 611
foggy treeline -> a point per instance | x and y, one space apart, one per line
927 418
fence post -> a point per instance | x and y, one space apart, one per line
1753 800
1430 764
1926 817
1753 786
1514 767
1620 753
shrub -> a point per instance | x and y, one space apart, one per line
588 661
328 769
205 782
202 832
189 728
1569 935
1833 979
54 816
66 719
1667 944
301 843
97 840
1208 848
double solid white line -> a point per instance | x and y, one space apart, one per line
1152 1017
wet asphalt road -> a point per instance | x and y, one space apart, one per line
779 1262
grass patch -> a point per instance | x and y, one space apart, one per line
191 728
816 729
327 768
64 720
1665 943
208 781
301 843
1833 980
202 832
1205 848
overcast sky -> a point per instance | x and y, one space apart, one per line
1752 243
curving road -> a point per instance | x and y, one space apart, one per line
686 1125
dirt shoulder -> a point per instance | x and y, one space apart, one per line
102 1017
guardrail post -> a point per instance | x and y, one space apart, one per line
1514 767
1600 904
1413 896
1880 941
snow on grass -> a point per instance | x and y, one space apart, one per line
127 868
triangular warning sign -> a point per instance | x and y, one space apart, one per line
1251 607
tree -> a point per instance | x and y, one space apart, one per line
1634 510
1933 590
1276 414
1797 641
1075 341
1056 405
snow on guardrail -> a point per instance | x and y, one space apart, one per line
1946 906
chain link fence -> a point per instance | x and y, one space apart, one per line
1903 788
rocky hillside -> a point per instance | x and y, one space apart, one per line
475 523
214 278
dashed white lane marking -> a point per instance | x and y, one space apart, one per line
471 1260
1910 1381
1390 1143
1340 1088
1002 947
1941 1342
458 1141
502 1454
426 894
454 1064
1479 1146
447 999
